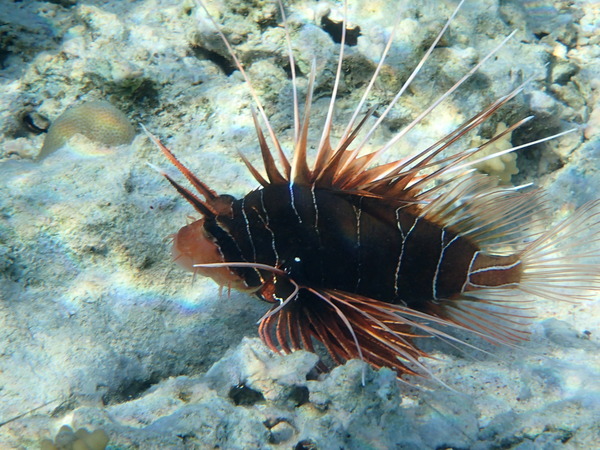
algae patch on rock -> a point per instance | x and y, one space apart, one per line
82 439
502 166
99 121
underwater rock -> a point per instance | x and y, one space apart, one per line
548 427
256 368
336 411
99 121
94 313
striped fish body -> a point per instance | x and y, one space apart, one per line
364 256
370 246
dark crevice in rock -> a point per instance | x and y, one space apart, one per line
227 66
242 395
129 390
334 29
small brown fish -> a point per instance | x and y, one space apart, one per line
364 257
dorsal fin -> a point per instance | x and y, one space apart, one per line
300 171
344 167
273 173
201 187
203 207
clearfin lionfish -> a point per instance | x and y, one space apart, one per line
364 257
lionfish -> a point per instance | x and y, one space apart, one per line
366 257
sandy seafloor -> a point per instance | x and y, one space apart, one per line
99 329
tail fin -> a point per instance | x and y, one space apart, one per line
564 263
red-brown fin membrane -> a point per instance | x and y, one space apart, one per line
348 328
203 207
354 164
275 177
351 326
202 188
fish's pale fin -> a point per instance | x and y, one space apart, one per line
325 171
498 219
369 87
564 263
407 177
496 317
292 61
417 187
324 149
399 94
